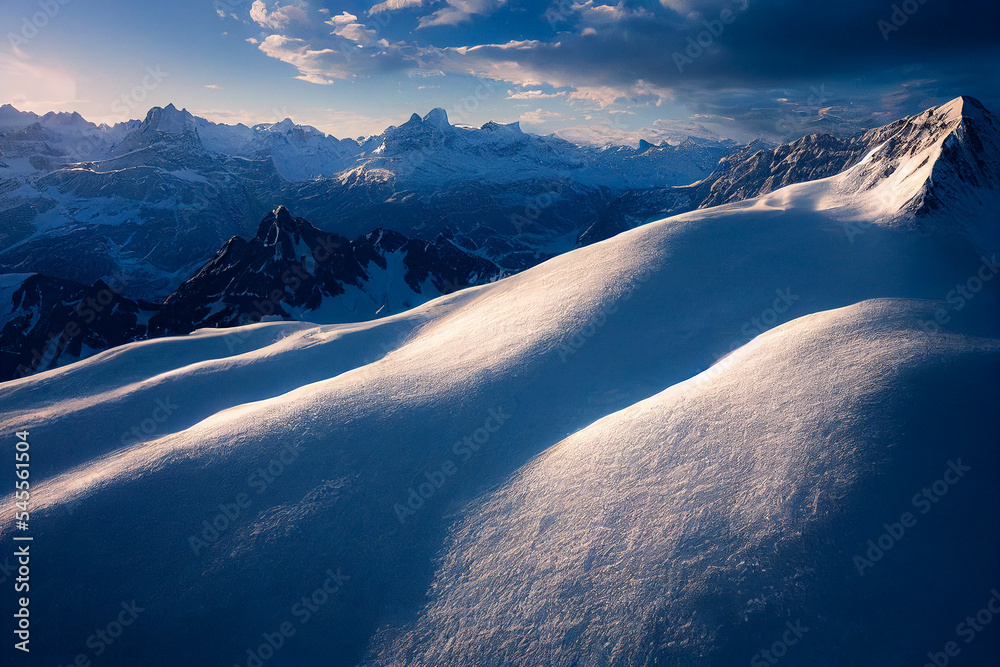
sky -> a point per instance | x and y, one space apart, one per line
741 69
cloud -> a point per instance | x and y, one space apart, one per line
538 117
337 56
393 5
314 65
213 86
589 14
461 11
347 26
533 95
280 17
608 57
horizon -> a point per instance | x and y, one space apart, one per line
632 139
614 72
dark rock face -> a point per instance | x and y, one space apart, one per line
289 270
52 321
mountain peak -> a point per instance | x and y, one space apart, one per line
437 117
279 220
963 107
169 119
493 126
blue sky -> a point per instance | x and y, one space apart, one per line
739 68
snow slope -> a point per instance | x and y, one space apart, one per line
716 507
689 528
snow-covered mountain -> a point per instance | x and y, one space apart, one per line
148 202
289 270
47 322
599 460
757 169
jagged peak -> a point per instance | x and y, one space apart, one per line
493 126
963 106
279 220
437 117
169 119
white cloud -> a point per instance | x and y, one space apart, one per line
313 64
602 96
538 117
393 5
532 95
253 40
279 17
347 26
213 86
597 15
461 11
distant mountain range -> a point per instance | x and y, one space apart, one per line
289 268
150 201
